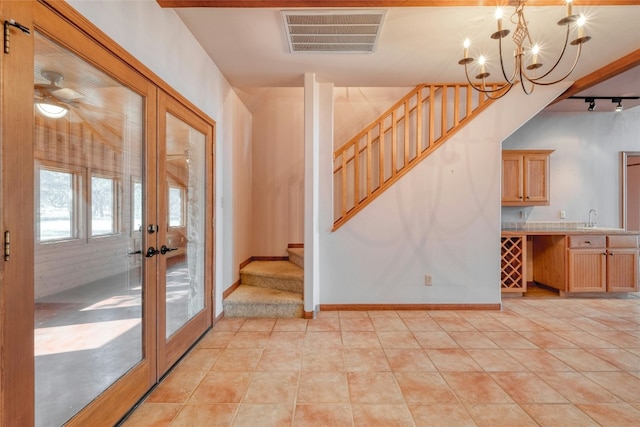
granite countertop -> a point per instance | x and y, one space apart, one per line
566 231
557 228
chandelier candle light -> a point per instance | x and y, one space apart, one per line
523 73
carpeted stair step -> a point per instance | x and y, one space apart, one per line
296 256
252 301
281 275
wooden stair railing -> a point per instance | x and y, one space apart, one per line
393 144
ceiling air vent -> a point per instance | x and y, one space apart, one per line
333 31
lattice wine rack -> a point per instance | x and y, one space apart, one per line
513 277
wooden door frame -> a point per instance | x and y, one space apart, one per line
64 24
624 159
16 281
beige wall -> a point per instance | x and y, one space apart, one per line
237 189
278 172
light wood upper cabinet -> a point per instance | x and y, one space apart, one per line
512 179
525 177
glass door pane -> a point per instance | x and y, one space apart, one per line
185 196
89 138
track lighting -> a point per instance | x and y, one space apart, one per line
614 99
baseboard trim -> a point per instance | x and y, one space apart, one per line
231 289
218 318
308 314
246 262
269 258
295 246
373 307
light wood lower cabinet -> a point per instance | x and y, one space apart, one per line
586 262
622 263
587 270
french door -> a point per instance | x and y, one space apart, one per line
185 218
117 282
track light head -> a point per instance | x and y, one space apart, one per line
619 102
592 103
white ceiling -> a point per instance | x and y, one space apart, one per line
416 45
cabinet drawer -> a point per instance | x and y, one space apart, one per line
622 241
587 241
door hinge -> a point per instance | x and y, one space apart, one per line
7 245
7 32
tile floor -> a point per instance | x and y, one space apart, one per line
547 362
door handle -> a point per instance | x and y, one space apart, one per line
139 251
164 249
151 252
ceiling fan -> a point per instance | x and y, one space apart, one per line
51 99
54 101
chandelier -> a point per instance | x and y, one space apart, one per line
523 72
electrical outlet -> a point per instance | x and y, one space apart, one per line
563 214
427 280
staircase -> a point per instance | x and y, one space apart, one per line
363 168
399 139
269 289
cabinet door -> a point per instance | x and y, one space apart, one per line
512 180
622 270
536 179
587 270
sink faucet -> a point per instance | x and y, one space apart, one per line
592 223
